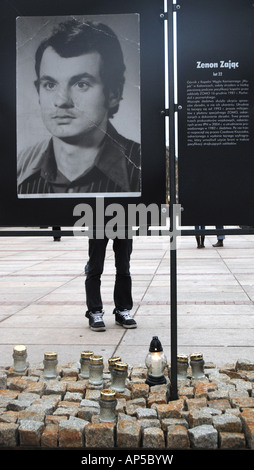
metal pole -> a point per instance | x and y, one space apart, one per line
172 192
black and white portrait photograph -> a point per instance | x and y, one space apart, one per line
78 106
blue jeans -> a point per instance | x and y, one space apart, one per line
220 237
219 227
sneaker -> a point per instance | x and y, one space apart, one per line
95 320
123 318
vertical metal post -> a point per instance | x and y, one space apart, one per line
172 192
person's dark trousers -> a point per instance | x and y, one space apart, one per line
123 284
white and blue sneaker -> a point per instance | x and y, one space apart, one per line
123 318
96 322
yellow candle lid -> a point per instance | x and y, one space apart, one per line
112 360
108 394
95 359
196 356
50 355
86 354
182 358
20 350
120 366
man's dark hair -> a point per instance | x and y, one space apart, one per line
73 38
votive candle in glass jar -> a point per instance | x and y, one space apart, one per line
84 363
50 365
19 358
182 366
119 374
112 361
197 365
107 405
96 367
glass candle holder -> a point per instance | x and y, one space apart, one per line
156 363
84 363
107 405
119 374
112 361
19 358
96 367
182 366
50 365
197 365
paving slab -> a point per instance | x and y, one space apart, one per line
42 299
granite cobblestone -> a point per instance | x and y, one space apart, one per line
215 412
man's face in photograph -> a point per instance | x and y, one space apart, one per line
71 95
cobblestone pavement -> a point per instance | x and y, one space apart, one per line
42 305
42 299
210 413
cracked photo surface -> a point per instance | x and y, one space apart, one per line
78 106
